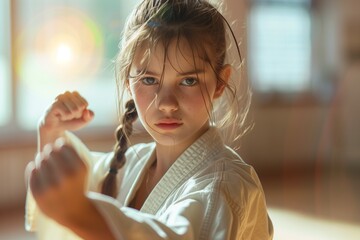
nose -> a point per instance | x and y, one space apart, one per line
166 100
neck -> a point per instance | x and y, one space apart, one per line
166 155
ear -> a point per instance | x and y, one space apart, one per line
224 75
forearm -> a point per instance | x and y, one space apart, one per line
89 224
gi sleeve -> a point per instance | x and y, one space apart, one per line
216 210
181 221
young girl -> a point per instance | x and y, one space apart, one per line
187 184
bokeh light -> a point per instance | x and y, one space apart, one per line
64 45
61 49
64 54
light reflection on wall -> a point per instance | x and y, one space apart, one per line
4 91
67 42
59 51
5 106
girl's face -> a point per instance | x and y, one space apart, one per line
173 97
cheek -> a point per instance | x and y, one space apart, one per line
143 99
196 103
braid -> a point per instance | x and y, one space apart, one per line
122 134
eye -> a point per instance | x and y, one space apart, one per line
189 81
148 81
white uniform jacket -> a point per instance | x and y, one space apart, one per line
208 193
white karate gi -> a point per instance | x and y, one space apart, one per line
208 193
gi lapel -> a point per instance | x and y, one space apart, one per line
191 161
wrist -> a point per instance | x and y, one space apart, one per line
87 222
47 135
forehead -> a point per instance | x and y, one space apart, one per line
178 54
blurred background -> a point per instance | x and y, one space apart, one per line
302 58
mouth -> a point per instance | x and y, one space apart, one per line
168 124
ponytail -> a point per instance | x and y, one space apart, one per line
122 134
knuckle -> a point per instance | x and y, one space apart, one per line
61 96
63 148
75 93
52 154
44 164
67 148
77 108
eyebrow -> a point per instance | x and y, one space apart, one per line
191 72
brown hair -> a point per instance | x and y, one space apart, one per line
122 132
203 27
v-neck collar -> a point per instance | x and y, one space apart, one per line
188 163
141 174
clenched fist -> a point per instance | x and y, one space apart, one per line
58 183
69 111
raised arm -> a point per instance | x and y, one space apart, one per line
69 111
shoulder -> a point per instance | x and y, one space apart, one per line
240 189
239 183
230 190
231 179
233 168
238 198
237 176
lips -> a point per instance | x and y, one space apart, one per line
168 124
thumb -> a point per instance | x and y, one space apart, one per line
81 122
87 115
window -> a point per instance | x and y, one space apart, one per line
5 107
280 46
59 45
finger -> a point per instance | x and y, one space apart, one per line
42 155
88 115
68 152
63 97
45 170
70 156
50 154
79 101
68 101
69 106
59 109
75 124
45 153
41 195
69 109
49 176
65 159
80 98
29 167
58 106
62 166
76 104
35 183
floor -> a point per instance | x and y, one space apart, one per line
303 205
